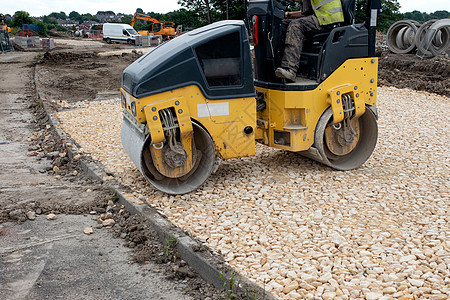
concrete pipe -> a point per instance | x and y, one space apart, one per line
401 36
433 38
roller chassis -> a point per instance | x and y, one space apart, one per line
175 128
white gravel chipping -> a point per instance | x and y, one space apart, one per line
303 230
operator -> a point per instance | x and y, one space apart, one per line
315 15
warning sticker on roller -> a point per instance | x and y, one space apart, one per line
213 109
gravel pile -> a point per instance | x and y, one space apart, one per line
303 230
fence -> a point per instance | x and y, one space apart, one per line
96 35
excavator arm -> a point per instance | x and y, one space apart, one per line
159 28
143 17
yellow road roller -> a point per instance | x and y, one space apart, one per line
198 98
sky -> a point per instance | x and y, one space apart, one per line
45 7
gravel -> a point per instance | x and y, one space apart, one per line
303 230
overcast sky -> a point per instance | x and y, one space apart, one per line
45 7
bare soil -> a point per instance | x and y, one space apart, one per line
75 75
410 71
30 182
79 74
84 74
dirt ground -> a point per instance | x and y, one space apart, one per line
92 73
37 177
70 74
409 71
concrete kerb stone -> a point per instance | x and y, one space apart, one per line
210 267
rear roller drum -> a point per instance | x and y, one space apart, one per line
203 165
346 146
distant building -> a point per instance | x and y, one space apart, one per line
67 23
86 25
108 17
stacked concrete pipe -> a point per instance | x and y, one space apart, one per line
431 38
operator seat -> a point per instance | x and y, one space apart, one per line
349 7
313 44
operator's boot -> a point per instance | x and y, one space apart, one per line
285 74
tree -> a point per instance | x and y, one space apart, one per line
21 17
390 13
415 15
440 14
49 20
201 7
42 28
188 19
230 9
61 15
74 15
88 17
126 19
139 11
108 12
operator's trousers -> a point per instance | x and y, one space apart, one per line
295 34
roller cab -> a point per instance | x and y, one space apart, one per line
329 112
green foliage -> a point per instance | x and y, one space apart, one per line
88 17
201 8
108 12
423 16
42 28
126 19
21 17
208 11
170 244
73 15
230 285
235 9
61 28
4 20
49 20
183 17
390 13
61 15
116 197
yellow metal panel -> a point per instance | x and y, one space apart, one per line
356 77
225 120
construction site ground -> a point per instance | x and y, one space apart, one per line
295 227
45 211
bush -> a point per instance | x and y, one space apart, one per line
42 28
61 28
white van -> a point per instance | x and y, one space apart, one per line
115 32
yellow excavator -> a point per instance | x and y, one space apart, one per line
196 98
164 28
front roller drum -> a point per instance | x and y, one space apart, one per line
344 149
203 165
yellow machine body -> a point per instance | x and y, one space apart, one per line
224 120
298 112
293 112
208 94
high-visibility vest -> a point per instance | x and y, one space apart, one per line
328 11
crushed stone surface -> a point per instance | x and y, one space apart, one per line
303 230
